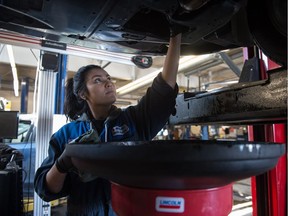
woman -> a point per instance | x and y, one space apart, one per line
89 101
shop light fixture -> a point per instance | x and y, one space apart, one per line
14 70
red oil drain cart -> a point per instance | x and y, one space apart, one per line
178 177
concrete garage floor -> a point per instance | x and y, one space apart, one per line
242 198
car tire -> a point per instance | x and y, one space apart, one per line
267 21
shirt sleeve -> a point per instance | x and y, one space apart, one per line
153 110
54 151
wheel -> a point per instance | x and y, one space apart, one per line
267 21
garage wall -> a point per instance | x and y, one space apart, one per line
16 101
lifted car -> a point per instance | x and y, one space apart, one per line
142 27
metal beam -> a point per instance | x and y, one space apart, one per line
243 103
230 63
35 43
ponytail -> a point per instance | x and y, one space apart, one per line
74 106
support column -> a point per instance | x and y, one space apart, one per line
269 190
60 85
24 95
44 126
204 132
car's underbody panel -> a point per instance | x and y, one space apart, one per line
138 27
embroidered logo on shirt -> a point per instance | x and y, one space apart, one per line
120 130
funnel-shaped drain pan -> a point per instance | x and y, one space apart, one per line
175 164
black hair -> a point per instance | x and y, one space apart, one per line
74 105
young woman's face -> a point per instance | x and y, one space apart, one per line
100 89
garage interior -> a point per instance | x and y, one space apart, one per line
213 72
232 97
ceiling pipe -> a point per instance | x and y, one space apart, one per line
108 63
203 67
223 82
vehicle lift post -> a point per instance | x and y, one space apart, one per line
269 190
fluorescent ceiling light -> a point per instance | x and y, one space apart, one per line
14 70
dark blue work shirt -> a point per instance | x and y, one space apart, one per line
141 122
